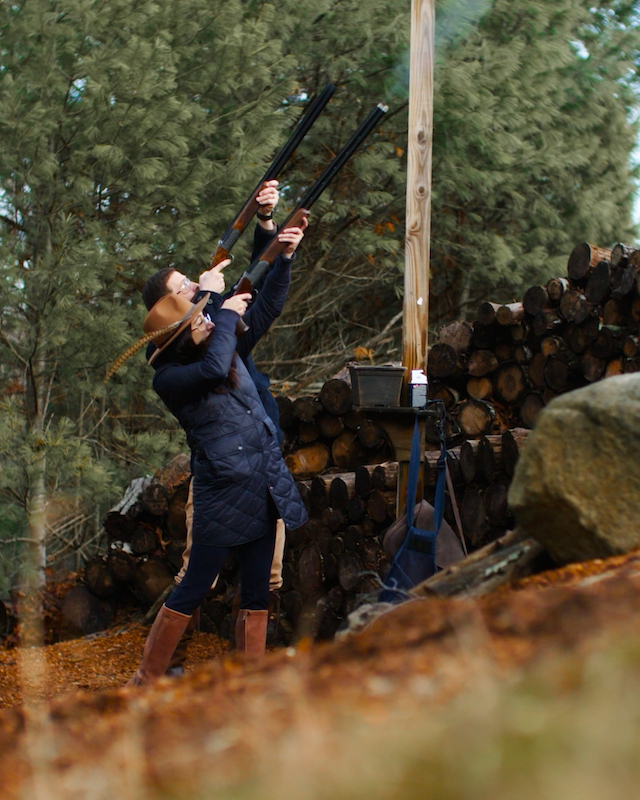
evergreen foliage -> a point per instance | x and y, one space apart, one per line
531 155
532 147
131 132
126 132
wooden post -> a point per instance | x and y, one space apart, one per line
418 208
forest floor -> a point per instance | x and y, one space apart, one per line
532 691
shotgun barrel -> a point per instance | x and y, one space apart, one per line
245 215
264 261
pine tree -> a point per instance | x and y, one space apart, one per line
128 133
531 154
532 149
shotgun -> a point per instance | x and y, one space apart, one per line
245 215
265 260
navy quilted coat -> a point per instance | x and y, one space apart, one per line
237 462
261 240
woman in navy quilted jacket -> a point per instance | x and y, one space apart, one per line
241 484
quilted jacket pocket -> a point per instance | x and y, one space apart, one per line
226 460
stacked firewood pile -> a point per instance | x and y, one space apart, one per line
501 371
494 376
146 534
337 558
324 431
331 563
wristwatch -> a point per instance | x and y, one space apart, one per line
265 217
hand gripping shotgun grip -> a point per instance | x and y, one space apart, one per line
265 260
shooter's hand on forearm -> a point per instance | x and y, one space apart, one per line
213 280
293 237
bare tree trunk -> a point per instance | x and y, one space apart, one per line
40 377
37 521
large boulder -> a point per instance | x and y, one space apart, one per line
576 488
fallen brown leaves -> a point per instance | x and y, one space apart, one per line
235 712
101 661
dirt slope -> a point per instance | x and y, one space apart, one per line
216 726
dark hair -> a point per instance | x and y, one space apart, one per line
183 350
156 287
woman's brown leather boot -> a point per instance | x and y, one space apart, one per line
251 631
176 664
163 637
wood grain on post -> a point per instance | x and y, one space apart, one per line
418 210
415 316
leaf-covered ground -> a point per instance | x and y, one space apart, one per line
508 696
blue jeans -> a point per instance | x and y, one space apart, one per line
206 561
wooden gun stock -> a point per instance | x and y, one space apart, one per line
236 228
262 265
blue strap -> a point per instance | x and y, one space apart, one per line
416 556
414 471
